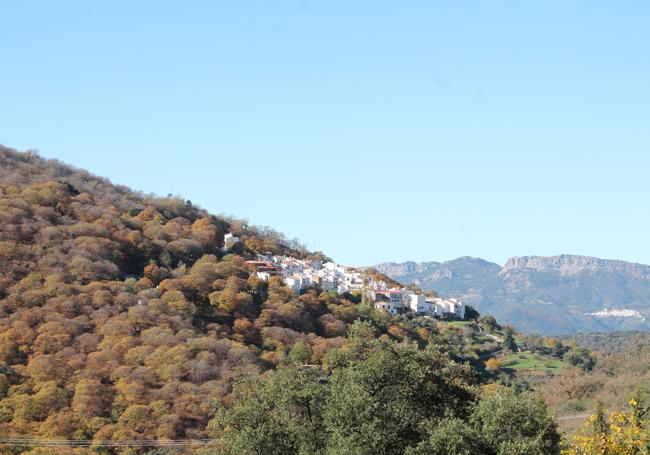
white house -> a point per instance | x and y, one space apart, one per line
342 270
293 283
329 283
418 303
391 300
379 285
456 307
266 276
387 307
395 296
297 282
293 266
441 307
266 258
230 240
438 308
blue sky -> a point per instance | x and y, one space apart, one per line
374 131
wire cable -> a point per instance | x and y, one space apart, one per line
24 442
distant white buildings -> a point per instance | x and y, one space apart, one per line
446 306
617 313
299 274
400 300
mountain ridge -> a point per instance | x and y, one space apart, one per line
572 263
548 294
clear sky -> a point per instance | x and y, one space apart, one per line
371 130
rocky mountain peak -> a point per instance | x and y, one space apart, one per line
554 294
568 264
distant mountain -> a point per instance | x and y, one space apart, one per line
556 295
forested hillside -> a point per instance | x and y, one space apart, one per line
610 342
123 318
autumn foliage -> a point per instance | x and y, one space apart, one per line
123 318
617 433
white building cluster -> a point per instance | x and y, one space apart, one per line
301 274
396 301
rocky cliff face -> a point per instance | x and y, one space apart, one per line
557 294
567 265
451 277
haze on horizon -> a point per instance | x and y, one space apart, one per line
373 132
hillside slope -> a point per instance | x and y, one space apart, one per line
558 295
123 318
121 315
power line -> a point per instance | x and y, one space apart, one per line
105 443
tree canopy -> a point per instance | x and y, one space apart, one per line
380 397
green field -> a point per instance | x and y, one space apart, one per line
528 361
460 323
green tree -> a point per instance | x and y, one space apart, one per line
277 414
376 396
489 323
558 349
379 403
501 423
511 423
580 357
471 314
300 353
509 342
449 436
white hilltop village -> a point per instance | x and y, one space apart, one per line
299 275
